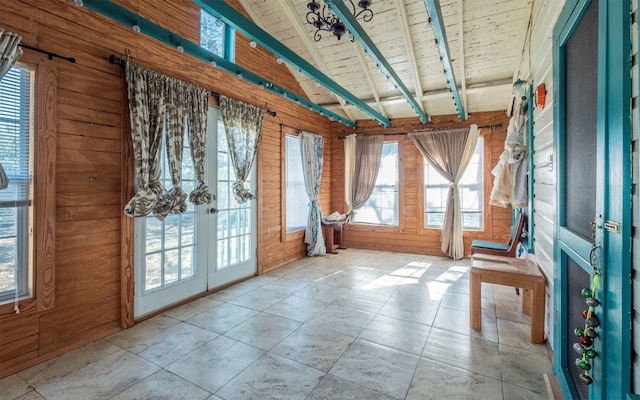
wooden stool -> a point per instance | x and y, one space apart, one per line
332 234
514 272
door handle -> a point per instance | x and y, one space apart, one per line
212 210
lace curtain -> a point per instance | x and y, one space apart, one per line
9 54
243 126
158 104
362 161
311 148
449 152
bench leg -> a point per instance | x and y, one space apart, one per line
475 299
537 312
526 301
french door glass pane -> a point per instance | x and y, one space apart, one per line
169 244
234 224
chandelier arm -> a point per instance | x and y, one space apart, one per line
367 14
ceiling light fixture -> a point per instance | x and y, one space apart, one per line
326 20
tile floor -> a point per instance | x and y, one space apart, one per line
357 325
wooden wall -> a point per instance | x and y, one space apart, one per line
91 274
410 236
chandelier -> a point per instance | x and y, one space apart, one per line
326 20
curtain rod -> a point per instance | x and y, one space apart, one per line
116 60
342 137
48 53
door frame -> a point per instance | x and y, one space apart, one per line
612 366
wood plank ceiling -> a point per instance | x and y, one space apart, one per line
486 41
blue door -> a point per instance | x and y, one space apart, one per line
593 225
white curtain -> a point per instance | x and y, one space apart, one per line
311 147
362 162
9 54
449 152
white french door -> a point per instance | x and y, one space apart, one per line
206 247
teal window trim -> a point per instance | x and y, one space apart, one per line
530 135
229 43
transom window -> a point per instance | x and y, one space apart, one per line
16 116
297 212
382 206
216 36
470 187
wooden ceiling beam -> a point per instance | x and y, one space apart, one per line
342 12
410 50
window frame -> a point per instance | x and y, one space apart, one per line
297 233
23 212
397 223
228 52
43 207
486 144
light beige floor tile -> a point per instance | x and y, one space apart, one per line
258 299
512 311
331 387
322 292
348 321
463 351
173 343
32 395
102 379
192 309
142 331
14 386
518 335
458 321
524 368
421 312
377 367
222 318
272 377
314 347
263 330
513 392
296 308
361 300
214 364
63 365
436 381
398 334
163 385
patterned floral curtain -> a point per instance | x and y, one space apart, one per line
9 54
243 125
156 103
449 151
311 147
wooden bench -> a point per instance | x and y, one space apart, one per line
514 272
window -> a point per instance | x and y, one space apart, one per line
16 108
169 245
382 206
216 36
470 188
297 211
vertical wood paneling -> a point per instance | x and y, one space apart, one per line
45 186
544 179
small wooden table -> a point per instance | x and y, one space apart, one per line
332 233
514 272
